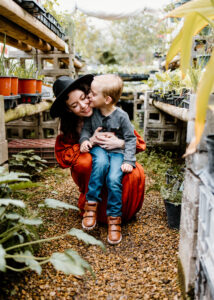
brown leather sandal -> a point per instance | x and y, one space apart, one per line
90 215
114 230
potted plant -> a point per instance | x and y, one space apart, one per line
171 193
14 79
27 79
39 81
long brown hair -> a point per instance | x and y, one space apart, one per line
68 120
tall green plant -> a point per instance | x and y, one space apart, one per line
27 72
3 59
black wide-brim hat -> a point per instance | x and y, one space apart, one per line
61 87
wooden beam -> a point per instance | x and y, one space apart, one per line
177 112
9 28
12 11
15 43
64 56
23 110
48 57
78 64
54 72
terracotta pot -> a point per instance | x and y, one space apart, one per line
5 85
39 86
14 85
27 86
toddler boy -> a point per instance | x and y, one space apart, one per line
107 165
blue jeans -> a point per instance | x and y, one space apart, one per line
106 168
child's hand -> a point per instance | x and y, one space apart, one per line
85 146
126 168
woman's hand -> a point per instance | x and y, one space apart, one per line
106 140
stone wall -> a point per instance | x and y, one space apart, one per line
189 254
3 142
161 129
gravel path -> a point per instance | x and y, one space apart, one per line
143 266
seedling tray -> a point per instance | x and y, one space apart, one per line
29 98
32 7
10 102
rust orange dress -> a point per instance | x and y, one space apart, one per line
68 156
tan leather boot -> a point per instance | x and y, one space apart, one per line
90 215
114 230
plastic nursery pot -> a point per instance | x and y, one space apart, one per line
39 86
210 148
5 85
14 85
27 86
173 211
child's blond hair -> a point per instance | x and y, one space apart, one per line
111 85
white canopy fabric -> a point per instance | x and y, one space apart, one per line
112 9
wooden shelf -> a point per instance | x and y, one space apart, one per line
37 32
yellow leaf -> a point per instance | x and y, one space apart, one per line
174 48
193 24
205 7
191 148
202 98
211 107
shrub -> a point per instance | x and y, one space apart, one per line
29 162
18 235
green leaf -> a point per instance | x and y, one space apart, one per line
88 239
31 221
13 177
37 157
20 236
32 164
2 259
29 260
24 185
3 170
52 203
27 151
2 211
54 192
13 216
69 262
7 202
